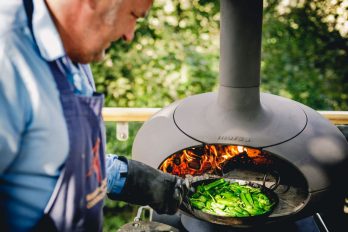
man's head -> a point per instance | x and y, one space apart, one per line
87 27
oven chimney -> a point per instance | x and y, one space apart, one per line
240 50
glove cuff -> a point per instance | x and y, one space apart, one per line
145 185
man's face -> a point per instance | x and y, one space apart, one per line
101 24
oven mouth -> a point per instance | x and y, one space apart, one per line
242 164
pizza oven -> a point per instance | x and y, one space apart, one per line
241 133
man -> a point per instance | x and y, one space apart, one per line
53 176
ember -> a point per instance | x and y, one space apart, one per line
213 159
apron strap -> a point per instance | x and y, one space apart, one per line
29 9
62 82
87 70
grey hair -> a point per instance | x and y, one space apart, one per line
111 13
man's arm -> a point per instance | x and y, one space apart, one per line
145 185
116 174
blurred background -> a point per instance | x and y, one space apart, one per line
175 54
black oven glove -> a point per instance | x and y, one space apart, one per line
148 186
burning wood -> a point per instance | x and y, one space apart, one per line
214 159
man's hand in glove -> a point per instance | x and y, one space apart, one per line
148 186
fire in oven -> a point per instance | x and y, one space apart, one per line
238 185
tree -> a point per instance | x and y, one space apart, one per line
176 54
304 56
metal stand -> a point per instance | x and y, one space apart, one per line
320 222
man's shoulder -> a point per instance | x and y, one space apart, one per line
15 45
13 28
6 50
12 15
20 62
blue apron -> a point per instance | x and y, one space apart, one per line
77 200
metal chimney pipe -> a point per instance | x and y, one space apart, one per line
240 53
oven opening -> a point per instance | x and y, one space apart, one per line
243 163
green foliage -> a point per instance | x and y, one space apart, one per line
116 214
303 58
175 54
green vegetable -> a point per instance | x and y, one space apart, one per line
215 205
249 198
197 204
227 202
229 195
230 199
220 212
203 198
200 189
214 184
245 201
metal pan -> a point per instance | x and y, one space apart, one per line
248 221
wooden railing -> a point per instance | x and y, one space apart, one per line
122 116
114 114
142 114
336 117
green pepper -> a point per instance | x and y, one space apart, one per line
209 211
235 187
226 202
268 207
264 202
220 212
257 204
228 195
263 197
245 201
254 190
239 214
200 189
238 209
215 205
208 204
196 195
241 211
202 198
231 212
214 184
253 211
249 198
197 204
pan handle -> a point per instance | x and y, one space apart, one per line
276 175
140 212
186 203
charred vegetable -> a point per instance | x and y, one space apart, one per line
230 199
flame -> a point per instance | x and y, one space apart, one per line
212 159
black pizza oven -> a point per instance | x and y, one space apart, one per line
245 134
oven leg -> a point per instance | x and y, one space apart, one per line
320 223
